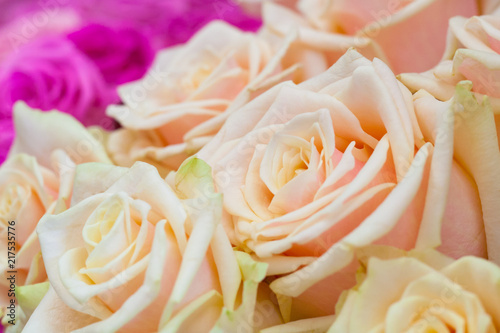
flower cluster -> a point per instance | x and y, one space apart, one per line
335 170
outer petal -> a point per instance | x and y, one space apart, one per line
194 181
85 184
392 33
243 317
41 133
476 148
458 233
62 318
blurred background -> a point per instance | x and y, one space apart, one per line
71 55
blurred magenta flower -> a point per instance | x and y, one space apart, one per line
12 9
121 54
33 24
167 22
200 12
51 73
70 55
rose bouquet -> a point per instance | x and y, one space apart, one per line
335 170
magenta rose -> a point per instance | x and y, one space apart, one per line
121 54
168 22
51 73
200 12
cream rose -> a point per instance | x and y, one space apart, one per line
385 29
416 291
189 91
421 293
37 179
310 172
132 254
28 190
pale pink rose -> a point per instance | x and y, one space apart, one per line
35 180
386 29
476 148
187 94
310 172
473 53
132 254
